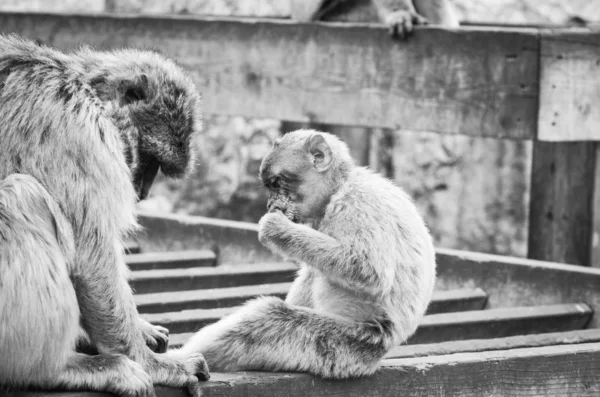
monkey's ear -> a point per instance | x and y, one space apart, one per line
133 90
320 152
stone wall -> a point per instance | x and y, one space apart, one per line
473 192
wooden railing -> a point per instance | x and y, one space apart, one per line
507 83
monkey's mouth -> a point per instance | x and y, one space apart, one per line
144 178
291 215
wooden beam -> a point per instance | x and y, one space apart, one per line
562 202
473 81
206 298
569 85
508 281
566 371
435 328
171 260
152 281
507 343
234 242
442 301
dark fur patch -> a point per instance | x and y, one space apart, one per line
44 135
64 93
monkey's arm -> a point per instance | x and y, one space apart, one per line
335 259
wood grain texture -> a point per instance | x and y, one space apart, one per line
473 81
561 203
177 300
569 86
565 371
153 281
206 298
510 281
507 343
171 260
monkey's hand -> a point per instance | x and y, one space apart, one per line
401 23
270 229
157 337
400 16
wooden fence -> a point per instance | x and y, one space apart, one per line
507 83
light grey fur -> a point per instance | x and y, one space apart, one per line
367 273
91 129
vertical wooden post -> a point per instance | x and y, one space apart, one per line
564 156
562 202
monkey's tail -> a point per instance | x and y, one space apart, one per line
270 335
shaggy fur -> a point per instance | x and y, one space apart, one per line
91 129
367 273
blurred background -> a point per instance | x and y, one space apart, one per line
473 192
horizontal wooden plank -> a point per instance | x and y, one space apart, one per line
207 298
506 343
508 281
171 260
511 281
236 242
457 300
569 86
566 371
152 281
434 328
476 81
442 301
495 323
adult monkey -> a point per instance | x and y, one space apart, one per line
83 135
399 15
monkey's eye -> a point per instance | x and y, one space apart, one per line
274 183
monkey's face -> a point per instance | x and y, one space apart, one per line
158 115
298 184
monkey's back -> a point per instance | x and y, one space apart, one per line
53 128
381 222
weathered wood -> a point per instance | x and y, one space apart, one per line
473 81
171 260
561 202
152 281
508 281
234 242
507 343
569 86
566 371
434 328
206 298
442 301
457 300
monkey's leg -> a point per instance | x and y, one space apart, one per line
39 314
300 293
268 334
110 318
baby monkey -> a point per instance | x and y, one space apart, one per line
367 268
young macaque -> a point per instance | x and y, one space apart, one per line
367 268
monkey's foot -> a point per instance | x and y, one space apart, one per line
132 381
156 337
401 23
198 366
